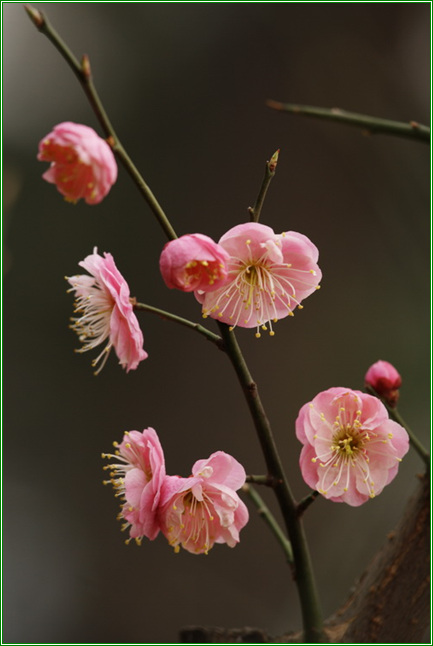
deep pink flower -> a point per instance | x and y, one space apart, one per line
268 276
351 448
193 262
105 308
82 164
384 378
137 475
204 509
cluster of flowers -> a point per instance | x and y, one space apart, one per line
194 513
251 278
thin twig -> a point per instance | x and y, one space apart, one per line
306 502
168 316
270 169
268 481
264 511
370 125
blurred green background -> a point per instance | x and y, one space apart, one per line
185 85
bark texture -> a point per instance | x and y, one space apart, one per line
390 603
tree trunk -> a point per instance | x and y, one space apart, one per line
390 603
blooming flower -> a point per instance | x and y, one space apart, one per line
137 475
384 378
102 299
268 276
352 449
204 509
193 262
82 164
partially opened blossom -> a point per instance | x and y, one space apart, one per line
204 509
386 381
82 163
137 474
268 276
352 449
193 262
105 312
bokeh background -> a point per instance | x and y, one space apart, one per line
185 85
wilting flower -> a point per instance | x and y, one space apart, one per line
204 509
193 262
105 309
384 378
352 449
268 276
82 163
137 476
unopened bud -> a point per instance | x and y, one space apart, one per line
35 16
272 163
385 380
85 66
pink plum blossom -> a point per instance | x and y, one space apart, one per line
204 509
384 378
82 164
352 449
105 308
137 475
193 262
268 276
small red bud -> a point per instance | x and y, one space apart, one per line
386 381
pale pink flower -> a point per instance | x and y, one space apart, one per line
82 164
352 449
193 262
384 378
137 475
106 313
204 509
268 276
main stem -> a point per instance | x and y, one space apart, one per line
302 567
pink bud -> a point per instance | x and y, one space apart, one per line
384 378
194 262
82 163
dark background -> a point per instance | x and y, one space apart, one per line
185 85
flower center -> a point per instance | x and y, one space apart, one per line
193 526
347 442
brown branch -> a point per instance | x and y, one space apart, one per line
390 602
